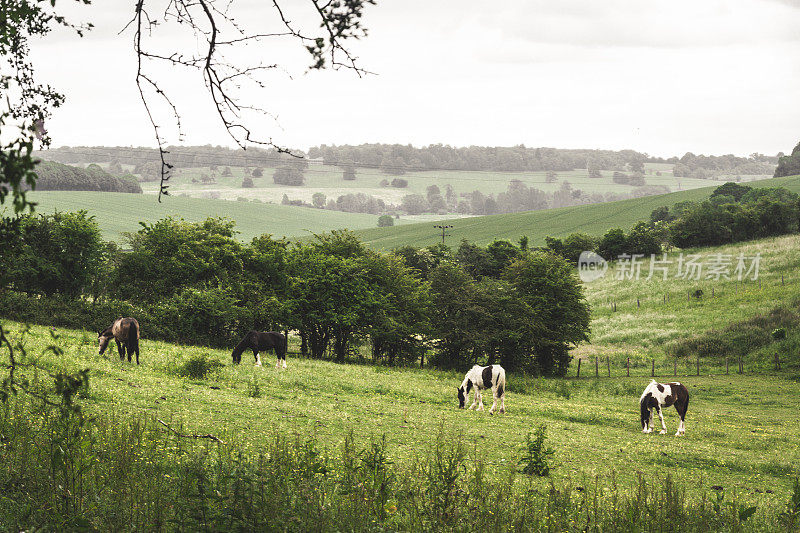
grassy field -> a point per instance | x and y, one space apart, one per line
118 213
328 180
593 219
664 312
741 432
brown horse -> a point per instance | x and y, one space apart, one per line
125 331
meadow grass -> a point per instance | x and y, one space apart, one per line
741 430
652 313
118 213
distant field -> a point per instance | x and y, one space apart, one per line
118 213
328 180
593 219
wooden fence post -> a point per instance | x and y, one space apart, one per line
596 366
675 364
741 366
726 366
777 361
698 365
608 363
579 369
653 369
637 303
628 367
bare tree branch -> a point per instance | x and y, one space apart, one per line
339 21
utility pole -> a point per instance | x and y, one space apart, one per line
444 229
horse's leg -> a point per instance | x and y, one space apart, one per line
661 417
650 422
682 414
474 398
494 403
120 350
129 350
480 400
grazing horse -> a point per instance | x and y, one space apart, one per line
125 332
260 342
663 394
484 377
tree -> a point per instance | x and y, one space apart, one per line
414 204
384 221
550 176
288 175
61 253
349 173
318 200
247 183
169 255
733 190
789 165
226 172
258 172
550 288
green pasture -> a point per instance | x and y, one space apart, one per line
741 430
118 213
594 219
650 313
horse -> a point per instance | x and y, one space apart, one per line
663 394
125 332
484 377
259 342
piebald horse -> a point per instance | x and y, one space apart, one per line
261 342
125 332
484 377
658 395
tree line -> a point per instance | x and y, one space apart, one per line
194 283
397 159
733 213
52 176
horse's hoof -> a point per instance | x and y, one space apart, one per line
662 432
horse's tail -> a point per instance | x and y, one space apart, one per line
133 337
501 382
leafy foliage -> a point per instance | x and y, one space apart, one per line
536 458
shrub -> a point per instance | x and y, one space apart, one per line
199 367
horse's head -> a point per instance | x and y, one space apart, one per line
462 397
103 339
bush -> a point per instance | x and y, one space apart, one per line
247 183
199 367
385 221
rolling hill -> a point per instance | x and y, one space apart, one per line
118 213
594 219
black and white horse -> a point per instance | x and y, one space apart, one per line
658 395
484 377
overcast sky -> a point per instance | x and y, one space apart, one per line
663 77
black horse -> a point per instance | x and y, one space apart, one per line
261 342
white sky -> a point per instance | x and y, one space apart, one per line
659 76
